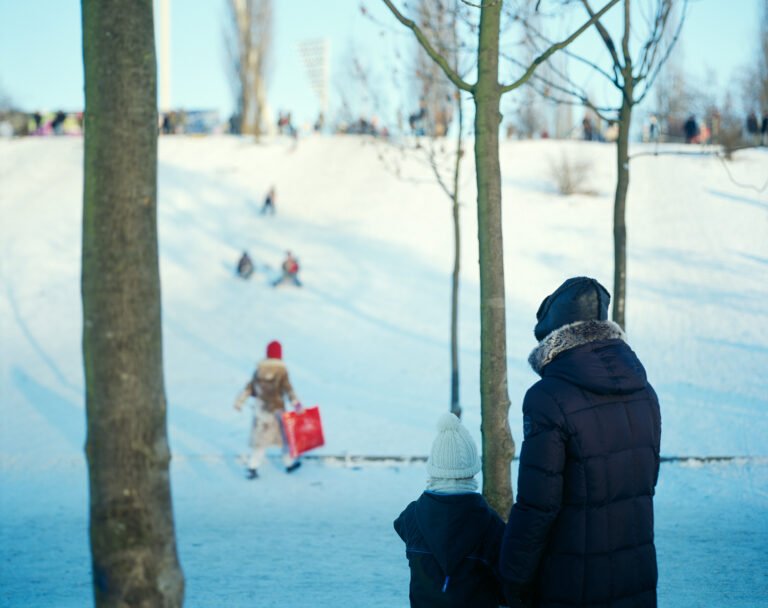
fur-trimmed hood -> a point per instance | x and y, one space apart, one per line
591 354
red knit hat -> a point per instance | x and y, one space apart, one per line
274 350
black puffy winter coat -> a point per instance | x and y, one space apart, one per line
581 530
452 543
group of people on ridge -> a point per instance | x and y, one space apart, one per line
580 533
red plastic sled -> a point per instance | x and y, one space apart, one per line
303 430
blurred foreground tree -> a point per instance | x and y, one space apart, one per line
133 545
498 445
248 40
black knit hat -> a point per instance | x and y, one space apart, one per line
578 299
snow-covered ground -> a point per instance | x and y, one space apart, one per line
367 339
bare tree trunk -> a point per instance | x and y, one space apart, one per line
246 122
622 179
248 41
498 446
455 399
133 545
620 213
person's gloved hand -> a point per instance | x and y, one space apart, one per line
297 406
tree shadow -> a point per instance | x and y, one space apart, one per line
61 414
745 200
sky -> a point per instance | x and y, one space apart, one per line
41 58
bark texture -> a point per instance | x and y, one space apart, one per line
620 216
132 537
498 446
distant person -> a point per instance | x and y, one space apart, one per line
764 130
588 131
38 119
691 130
653 129
285 125
269 387
282 122
753 128
612 132
57 124
319 123
167 124
581 530
452 537
290 271
269 202
416 121
245 266
704 135
715 120
234 124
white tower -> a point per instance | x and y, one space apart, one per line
315 54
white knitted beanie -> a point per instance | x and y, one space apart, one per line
454 454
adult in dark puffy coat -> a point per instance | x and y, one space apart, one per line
581 530
452 537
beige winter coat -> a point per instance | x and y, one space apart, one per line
271 385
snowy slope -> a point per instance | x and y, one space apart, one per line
367 337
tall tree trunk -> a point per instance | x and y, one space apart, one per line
619 215
133 545
455 399
245 104
622 178
498 446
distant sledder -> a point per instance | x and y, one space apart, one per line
269 386
290 271
245 266
269 202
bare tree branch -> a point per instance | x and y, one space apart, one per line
578 95
617 67
660 64
650 48
570 54
430 50
715 153
555 47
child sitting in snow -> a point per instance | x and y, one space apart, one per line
452 537
290 271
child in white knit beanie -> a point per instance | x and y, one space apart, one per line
452 536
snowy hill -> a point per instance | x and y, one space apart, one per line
367 336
